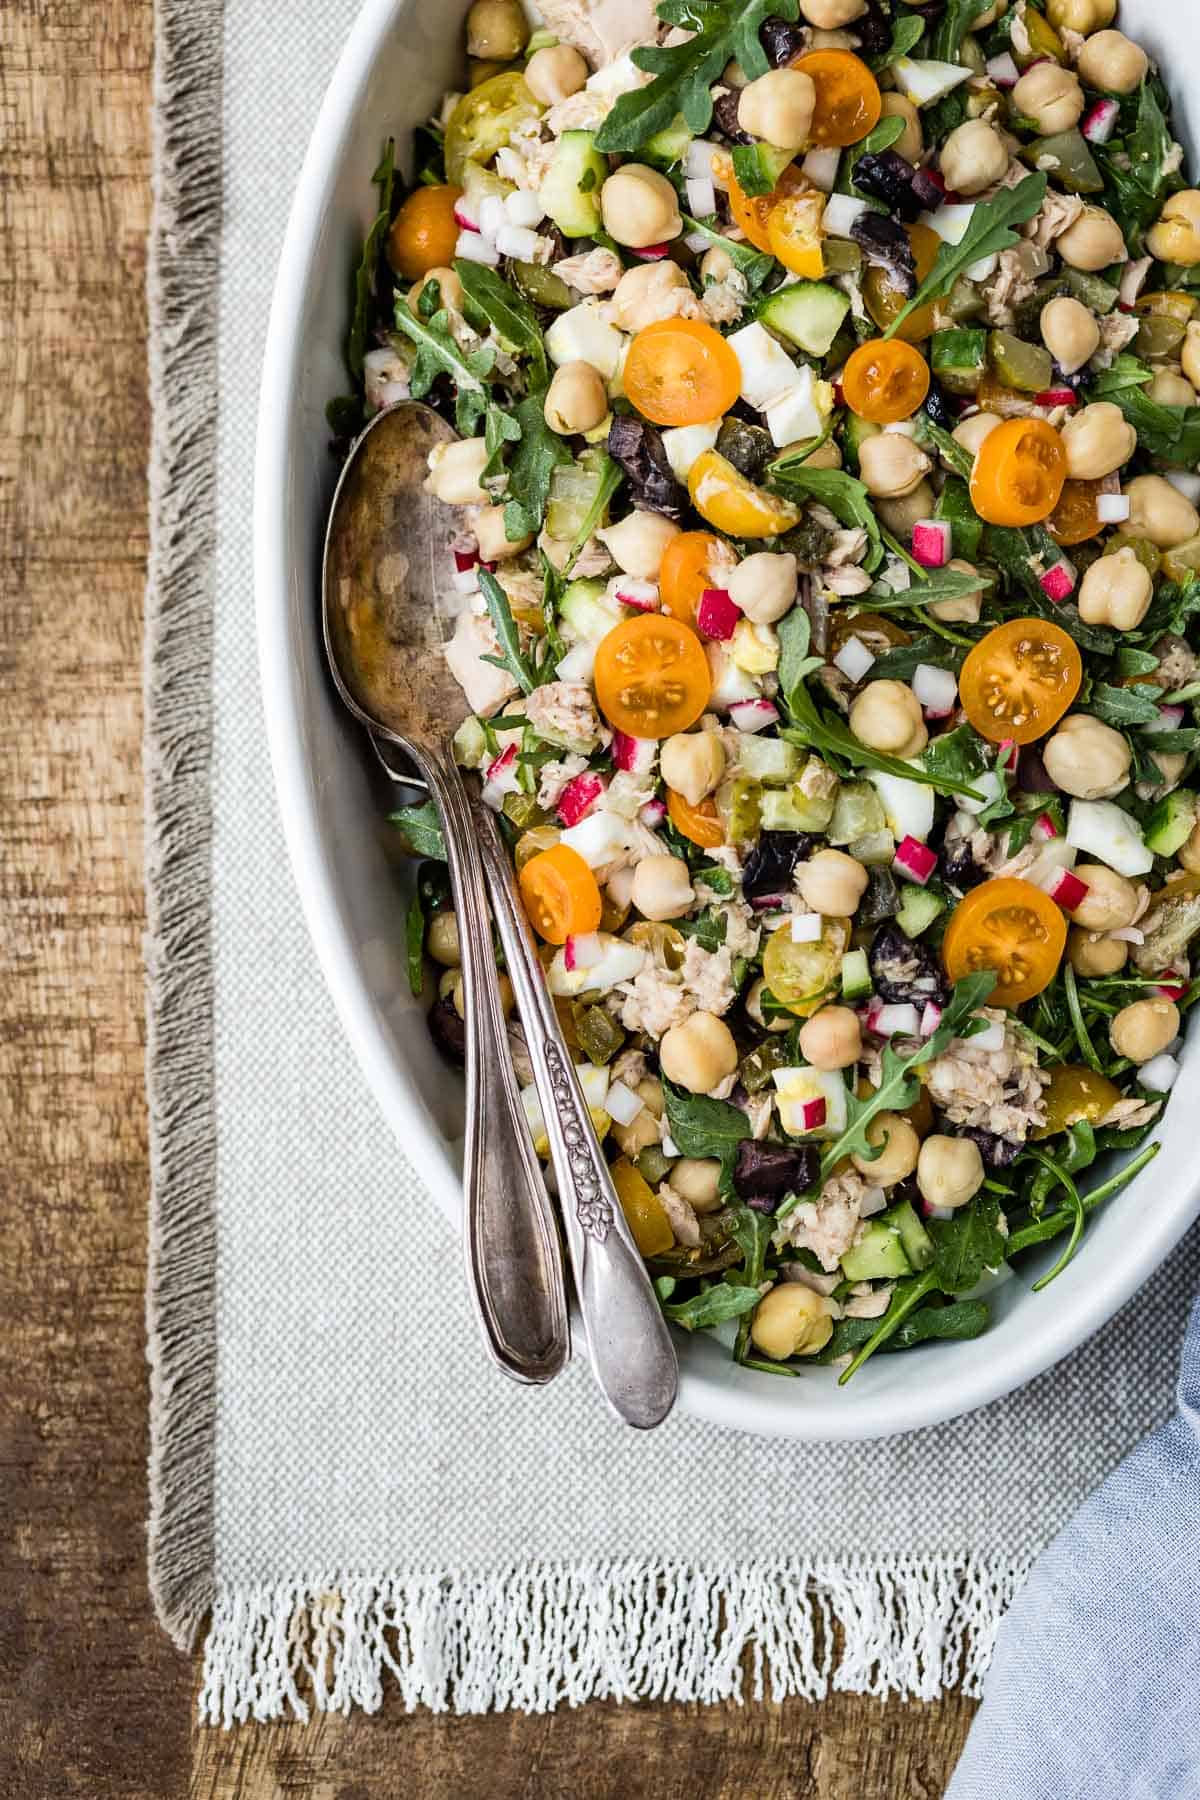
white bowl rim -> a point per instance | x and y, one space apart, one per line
828 1413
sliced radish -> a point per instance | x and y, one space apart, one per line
523 207
899 1020
853 659
464 218
652 253
1008 754
578 798
492 216
936 689
914 860
717 615
631 591
990 787
806 928
821 167
633 754
583 951
1045 828
1170 718
1172 990
1112 509
1059 396
1100 121
931 543
502 765
1003 70
518 241
653 813
754 715
1058 581
931 1018
1160 1074
618 961
1067 889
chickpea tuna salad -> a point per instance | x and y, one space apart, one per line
827 601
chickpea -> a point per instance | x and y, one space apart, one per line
826 456
831 1039
791 1320
1069 332
576 399
753 1004
697 1179
1083 16
441 940
778 107
638 542
1097 439
1091 953
1144 1029
640 207
899 516
887 716
491 534
1087 759
662 888
1176 237
454 471
699 1053
1093 241
891 465
911 142
1169 387
1112 62
1050 97
716 264
1116 591
497 30
832 883
900 1152
646 1129
966 608
949 1170
1111 900
971 433
693 763
764 585
646 294
555 74
449 287
1160 512
831 15
973 157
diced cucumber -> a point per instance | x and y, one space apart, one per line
1170 824
670 144
767 759
855 432
856 975
1093 290
919 907
570 189
573 490
918 1245
469 744
759 166
959 358
788 809
966 527
807 313
879 1254
587 611
857 812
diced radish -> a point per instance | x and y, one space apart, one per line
1172 990
806 928
633 754
652 253
474 248
466 581
1067 889
1007 755
696 242
1045 828
466 559
931 1018
900 1020
492 216
1003 70
502 764
853 659
653 813
907 805
579 796
931 543
914 860
577 664
1052 858
1160 1074
1112 509
1170 718
619 886
754 715
939 182
821 168
599 838
699 158
1109 834
1185 482
930 1211
991 1037
701 196
1058 581
841 213
812 1114
622 1104
464 218
1059 396
936 689
630 591
619 961
583 951
1100 121
716 615
769 902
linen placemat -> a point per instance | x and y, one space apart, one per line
341 1483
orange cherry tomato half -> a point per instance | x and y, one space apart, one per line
1009 926
794 234
651 676
1019 680
885 381
560 894
1019 473
699 824
424 232
885 299
753 214
1075 519
681 372
1076 1093
848 99
687 568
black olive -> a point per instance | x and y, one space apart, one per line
873 30
1033 777
957 865
782 41
887 176
997 1152
764 1173
884 242
638 447
940 407
928 192
448 1031
902 969
769 866
725 112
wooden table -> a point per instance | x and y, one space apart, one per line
93 1700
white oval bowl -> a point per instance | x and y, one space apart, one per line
398 60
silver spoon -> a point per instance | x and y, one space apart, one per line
387 570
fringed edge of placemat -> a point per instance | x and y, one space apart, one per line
181 1286
539 1636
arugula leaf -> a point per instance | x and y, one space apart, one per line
438 354
1169 432
1123 705
511 315
967 1244
1136 662
1135 169
932 437
959 753
539 452
945 40
906 34
414 944
749 173
1039 1231
703 1127
708 929
795 637
823 732
499 428
611 477
961 1319
420 827
755 265
901 663
845 496
943 584
368 267
715 878
713 1306
723 31
989 232
500 614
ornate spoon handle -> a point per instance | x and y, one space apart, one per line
633 1358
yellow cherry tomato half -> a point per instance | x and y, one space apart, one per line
1009 926
485 119
724 496
686 570
885 380
699 824
644 1212
681 372
1019 473
1074 1093
560 893
802 976
424 232
848 101
1019 680
794 234
752 213
652 677
1075 519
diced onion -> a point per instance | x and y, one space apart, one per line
806 928
701 196
853 659
1160 1074
622 1104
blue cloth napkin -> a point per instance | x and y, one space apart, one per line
1094 1688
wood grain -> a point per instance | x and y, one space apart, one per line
93 1701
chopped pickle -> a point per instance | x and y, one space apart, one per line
652 1165
542 286
857 812
740 805
1017 364
524 811
667 946
599 1035
755 1070
1159 337
958 358
1067 160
